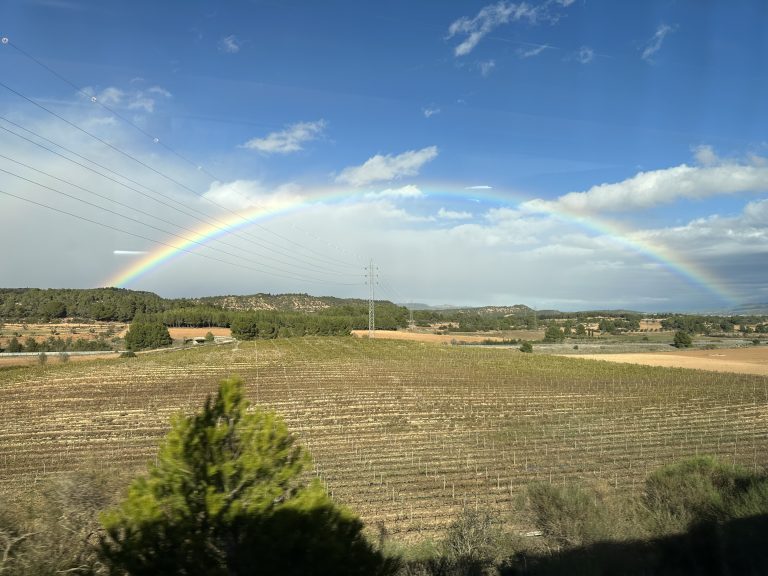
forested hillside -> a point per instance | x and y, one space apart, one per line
263 314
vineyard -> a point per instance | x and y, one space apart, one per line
406 433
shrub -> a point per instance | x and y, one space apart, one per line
569 516
142 335
702 490
682 340
526 347
229 495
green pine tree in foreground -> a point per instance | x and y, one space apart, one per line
228 496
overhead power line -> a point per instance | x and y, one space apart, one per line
160 242
158 141
206 220
135 220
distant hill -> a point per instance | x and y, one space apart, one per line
280 302
516 310
120 304
421 306
755 309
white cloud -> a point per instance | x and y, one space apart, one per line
230 44
142 103
531 52
244 194
705 155
409 191
384 168
288 140
110 95
453 214
480 187
654 44
585 55
430 111
159 91
647 189
114 97
486 67
494 15
490 17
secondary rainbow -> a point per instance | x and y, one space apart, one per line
670 260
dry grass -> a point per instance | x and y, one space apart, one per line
52 358
737 360
415 336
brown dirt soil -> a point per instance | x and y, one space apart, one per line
447 338
738 360
52 359
647 324
178 333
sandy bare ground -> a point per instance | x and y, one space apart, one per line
52 359
738 360
440 338
178 333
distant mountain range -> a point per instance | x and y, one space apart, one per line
517 309
755 309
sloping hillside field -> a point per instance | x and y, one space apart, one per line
406 433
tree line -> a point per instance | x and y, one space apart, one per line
58 344
118 304
698 324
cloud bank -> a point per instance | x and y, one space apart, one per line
647 189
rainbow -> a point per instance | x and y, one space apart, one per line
674 262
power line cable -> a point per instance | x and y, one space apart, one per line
317 269
185 239
138 161
155 139
116 229
182 211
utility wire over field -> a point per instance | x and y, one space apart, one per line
285 250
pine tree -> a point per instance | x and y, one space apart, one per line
228 496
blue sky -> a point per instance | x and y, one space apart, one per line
621 146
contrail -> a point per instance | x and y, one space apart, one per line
128 252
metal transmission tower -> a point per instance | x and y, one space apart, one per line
371 306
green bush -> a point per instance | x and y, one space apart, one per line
229 495
143 335
526 347
682 340
702 490
568 516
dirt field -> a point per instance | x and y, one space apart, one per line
445 338
179 333
52 359
738 360
650 324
